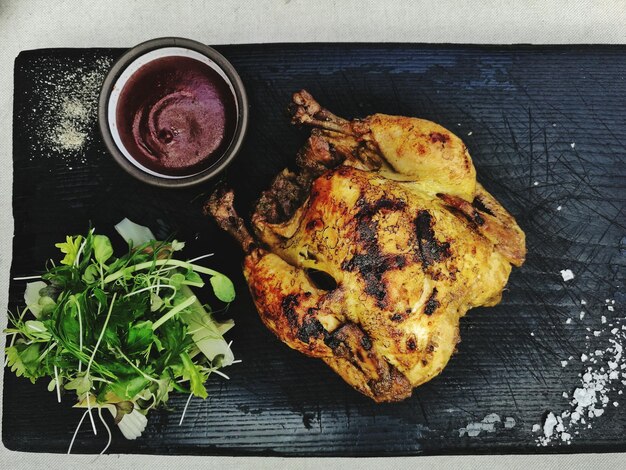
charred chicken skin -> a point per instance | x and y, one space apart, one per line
370 253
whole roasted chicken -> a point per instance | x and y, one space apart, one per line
369 254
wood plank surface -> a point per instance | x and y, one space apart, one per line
546 127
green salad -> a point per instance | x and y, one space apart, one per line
121 332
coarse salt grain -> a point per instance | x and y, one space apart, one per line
549 424
567 274
589 400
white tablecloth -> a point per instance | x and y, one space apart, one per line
31 24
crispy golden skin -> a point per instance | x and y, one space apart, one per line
368 257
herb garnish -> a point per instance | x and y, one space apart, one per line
121 332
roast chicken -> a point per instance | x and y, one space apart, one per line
369 254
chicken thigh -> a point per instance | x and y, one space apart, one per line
369 254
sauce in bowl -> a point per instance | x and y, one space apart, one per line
176 115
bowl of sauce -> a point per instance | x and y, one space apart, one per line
173 112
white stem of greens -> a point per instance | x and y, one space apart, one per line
181 306
208 255
93 354
80 251
99 379
80 333
185 409
107 428
106 322
160 262
93 424
156 286
220 373
56 380
135 367
69 451
45 353
26 278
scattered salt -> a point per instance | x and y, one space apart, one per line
573 144
65 101
558 208
488 424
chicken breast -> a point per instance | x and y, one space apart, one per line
370 253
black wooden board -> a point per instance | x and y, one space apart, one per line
546 127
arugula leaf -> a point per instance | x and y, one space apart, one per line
140 337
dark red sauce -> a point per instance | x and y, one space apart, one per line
176 115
